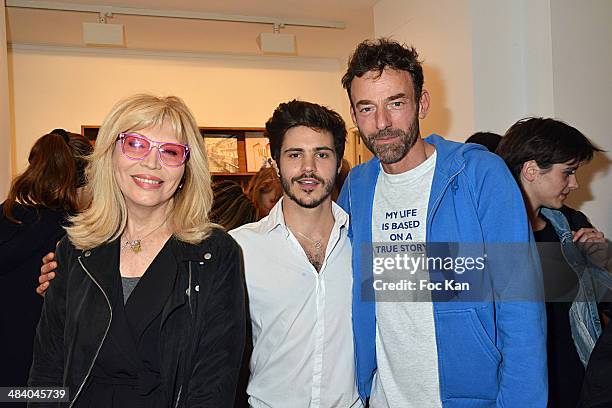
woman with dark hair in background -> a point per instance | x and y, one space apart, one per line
231 208
31 221
489 140
597 386
544 155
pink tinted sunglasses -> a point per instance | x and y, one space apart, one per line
137 147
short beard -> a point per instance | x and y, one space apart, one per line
393 152
328 186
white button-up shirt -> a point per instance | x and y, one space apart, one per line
302 332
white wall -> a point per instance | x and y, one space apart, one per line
5 123
60 87
489 63
512 62
582 69
215 66
442 34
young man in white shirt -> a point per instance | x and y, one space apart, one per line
297 270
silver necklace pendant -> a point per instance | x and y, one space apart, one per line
316 244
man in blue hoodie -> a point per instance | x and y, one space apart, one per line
418 344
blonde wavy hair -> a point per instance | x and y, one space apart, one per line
106 218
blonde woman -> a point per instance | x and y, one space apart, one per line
147 308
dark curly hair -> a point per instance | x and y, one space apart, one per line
300 113
376 55
545 140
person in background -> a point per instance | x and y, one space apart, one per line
264 190
231 208
345 168
31 221
597 387
82 149
489 140
148 306
544 155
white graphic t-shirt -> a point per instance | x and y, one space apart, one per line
406 352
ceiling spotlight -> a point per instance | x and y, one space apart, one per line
103 34
275 42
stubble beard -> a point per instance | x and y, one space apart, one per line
328 186
391 153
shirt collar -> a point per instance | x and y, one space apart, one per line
341 217
276 217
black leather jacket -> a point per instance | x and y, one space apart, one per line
202 330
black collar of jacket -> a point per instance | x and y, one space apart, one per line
101 263
204 251
109 252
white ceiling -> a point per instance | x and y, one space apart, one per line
28 26
315 9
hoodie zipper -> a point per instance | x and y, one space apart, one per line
451 179
103 338
356 355
439 197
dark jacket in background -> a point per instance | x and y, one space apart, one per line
597 386
202 322
22 247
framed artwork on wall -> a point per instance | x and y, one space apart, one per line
222 153
257 149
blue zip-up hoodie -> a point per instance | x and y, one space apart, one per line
491 352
